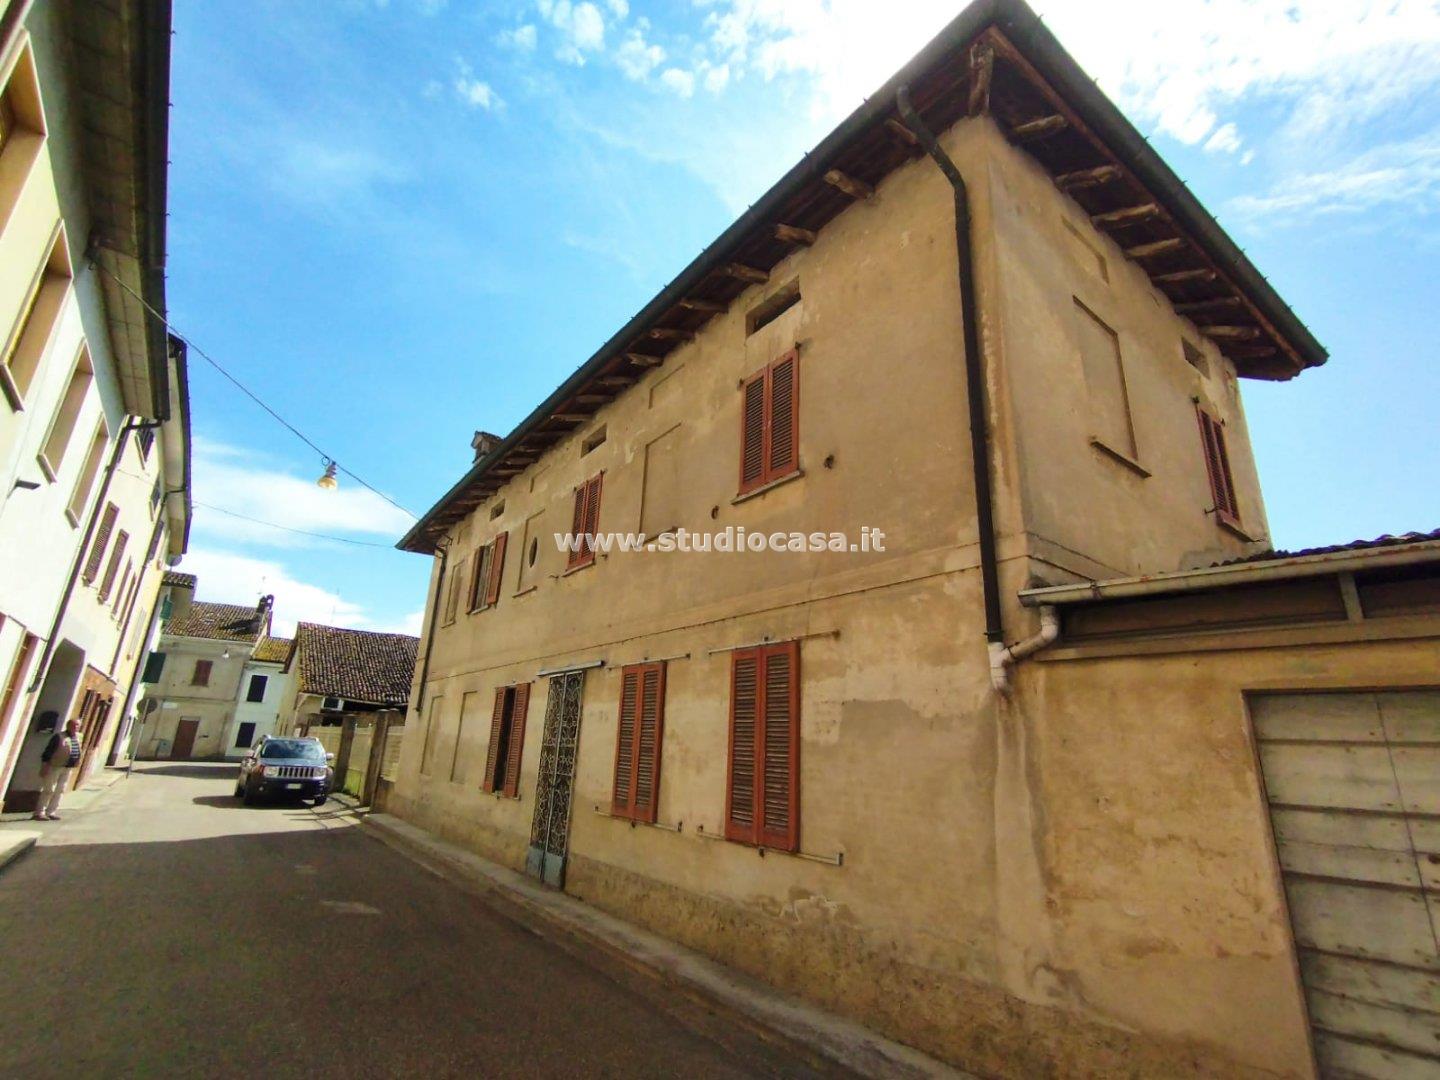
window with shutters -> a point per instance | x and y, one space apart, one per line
487 570
637 742
585 522
112 569
62 427
770 424
507 740
1217 468
124 588
201 676
763 784
102 540
31 334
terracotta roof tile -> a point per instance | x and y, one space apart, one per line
362 665
225 622
272 650
174 577
1388 540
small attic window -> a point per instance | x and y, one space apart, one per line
594 439
497 509
772 307
1195 358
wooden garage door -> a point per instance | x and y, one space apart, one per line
1353 782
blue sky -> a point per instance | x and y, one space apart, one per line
402 220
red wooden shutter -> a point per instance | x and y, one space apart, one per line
519 707
622 803
752 433
780 747
649 726
476 563
744 705
1217 467
497 720
592 505
121 539
579 553
783 402
102 538
497 568
202 673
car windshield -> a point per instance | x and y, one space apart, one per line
292 750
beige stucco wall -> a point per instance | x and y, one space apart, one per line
936 928
213 705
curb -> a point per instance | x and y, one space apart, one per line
13 844
828 1041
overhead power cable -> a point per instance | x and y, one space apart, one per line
287 528
324 457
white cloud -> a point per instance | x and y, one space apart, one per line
717 78
476 93
1223 140
1396 174
636 57
522 38
618 8
231 578
245 483
581 25
682 82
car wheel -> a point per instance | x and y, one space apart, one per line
320 800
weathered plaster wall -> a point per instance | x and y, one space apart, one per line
1087 511
937 928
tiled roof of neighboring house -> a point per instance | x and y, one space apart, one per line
227 622
1386 541
272 650
361 665
174 577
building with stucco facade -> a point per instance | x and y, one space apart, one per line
94 435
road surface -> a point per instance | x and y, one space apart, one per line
168 930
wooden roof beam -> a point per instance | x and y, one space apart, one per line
1231 333
850 185
570 418
666 333
1250 352
1080 178
1040 128
1155 247
793 234
1184 277
640 359
592 399
900 133
982 69
707 307
741 272
618 381
1126 216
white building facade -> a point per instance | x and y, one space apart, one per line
94 440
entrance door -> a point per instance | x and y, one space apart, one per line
1353 782
184 737
550 831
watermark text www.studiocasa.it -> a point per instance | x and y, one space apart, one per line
730 540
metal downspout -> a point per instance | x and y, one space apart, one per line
975 386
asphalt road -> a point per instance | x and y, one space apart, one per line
169 930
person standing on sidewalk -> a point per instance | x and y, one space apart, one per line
57 761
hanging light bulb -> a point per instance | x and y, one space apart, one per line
328 480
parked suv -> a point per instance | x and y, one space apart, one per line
285 768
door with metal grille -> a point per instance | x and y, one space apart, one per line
550 831
1353 782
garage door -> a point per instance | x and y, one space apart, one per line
1353 782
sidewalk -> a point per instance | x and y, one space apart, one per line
75 801
587 931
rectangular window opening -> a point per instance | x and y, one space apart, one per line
770 423
593 441
62 428
1195 358
256 691
1217 469
772 307
25 348
245 735
497 510
201 677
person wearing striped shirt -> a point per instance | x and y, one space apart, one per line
57 762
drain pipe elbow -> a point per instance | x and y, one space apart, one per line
1003 657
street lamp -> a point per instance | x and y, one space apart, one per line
327 479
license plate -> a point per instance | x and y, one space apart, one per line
294 787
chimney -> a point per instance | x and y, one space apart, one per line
261 620
181 597
484 442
